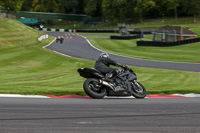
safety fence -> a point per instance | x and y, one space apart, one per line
98 31
115 31
125 37
58 30
4 15
167 44
47 16
56 16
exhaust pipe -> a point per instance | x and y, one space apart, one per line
107 84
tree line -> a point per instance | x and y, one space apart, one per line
111 10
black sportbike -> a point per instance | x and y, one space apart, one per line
122 83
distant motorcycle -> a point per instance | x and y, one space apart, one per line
123 83
61 39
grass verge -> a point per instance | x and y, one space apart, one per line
184 53
27 68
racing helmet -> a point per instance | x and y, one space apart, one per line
106 55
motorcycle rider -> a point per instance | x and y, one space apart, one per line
61 39
103 65
58 39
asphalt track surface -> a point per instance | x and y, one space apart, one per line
58 115
79 47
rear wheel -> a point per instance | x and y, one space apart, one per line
93 89
138 90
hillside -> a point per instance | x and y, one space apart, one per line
14 33
27 68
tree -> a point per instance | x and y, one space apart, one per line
107 7
193 8
45 6
124 11
27 5
173 4
159 9
90 7
113 9
11 5
143 6
93 7
68 6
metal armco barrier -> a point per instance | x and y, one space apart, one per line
114 31
59 30
125 37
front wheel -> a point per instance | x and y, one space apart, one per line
93 89
138 90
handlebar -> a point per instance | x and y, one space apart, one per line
124 69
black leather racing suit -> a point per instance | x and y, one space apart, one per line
103 65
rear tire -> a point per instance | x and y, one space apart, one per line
138 91
93 89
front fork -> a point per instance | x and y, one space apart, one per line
138 88
134 86
136 83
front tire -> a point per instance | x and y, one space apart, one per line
93 89
138 90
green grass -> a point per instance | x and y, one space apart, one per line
184 53
155 23
161 81
39 71
27 68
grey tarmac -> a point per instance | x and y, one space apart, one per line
61 115
79 47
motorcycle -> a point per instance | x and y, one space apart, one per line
122 83
59 39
